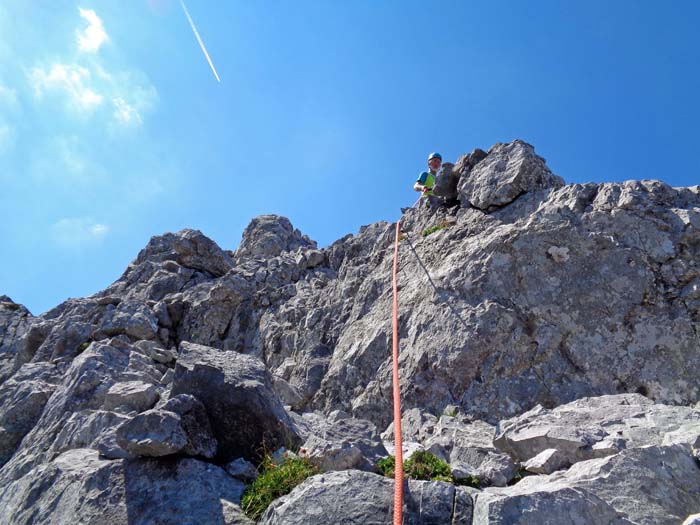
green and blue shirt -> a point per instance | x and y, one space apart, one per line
427 179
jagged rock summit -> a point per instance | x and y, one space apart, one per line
556 335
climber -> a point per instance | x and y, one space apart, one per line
426 180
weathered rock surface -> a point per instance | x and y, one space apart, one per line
341 442
242 469
237 392
355 497
538 293
180 425
466 445
504 174
15 320
22 400
131 395
78 487
647 485
270 235
596 427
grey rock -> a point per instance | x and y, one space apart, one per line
465 444
647 485
132 395
355 497
242 469
342 442
78 487
180 426
508 171
468 447
152 433
446 183
89 429
82 387
693 519
15 321
593 427
270 235
22 400
546 462
286 392
187 248
156 352
237 392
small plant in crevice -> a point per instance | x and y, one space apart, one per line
273 482
426 466
422 465
440 226
469 481
82 347
386 466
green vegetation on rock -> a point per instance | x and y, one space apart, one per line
273 482
421 465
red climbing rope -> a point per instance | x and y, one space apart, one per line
398 442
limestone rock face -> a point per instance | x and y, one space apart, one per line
596 427
356 497
647 485
22 400
269 236
15 319
237 392
180 425
505 173
545 325
341 442
79 487
465 444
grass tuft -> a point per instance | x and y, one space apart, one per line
441 226
421 465
273 482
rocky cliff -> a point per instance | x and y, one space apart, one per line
546 328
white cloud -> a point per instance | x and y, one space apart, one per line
77 231
94 35
124 113
90 87
70 80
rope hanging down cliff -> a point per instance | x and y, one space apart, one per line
398 442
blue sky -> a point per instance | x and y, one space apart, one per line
113 127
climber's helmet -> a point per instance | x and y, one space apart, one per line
434 160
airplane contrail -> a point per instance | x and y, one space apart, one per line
199 39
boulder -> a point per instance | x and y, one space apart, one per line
342 442
131 395
270 235
242 470
236 390
79 487
647 485
467 446
508 171
180 426
355 497
546 462
596 427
